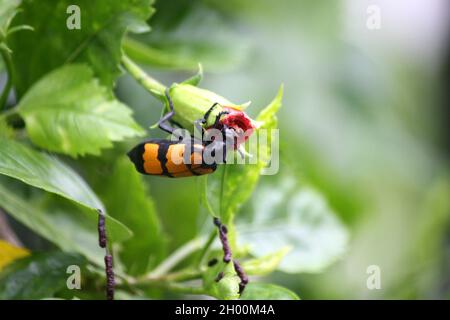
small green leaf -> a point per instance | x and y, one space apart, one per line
264 265
73 228
195 79
68 111
126 198
297 218
38 276
267 291
268 116
23 27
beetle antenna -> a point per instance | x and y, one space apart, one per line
241 274
224 240
227 256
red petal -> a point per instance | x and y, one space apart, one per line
240 122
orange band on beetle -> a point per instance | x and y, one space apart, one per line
151 162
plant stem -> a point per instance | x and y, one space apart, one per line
6 55
177 256
206 247
169 286
169 282
178 276
152 85
179 288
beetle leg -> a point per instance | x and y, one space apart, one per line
198 124
224 150
241 274
207 113
162 122
216 122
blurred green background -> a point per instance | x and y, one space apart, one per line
364 120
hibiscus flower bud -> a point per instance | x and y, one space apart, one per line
191 103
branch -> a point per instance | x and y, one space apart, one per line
167 285
177 256
178 276
152 85
206 247
183 289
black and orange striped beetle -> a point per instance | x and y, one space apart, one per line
156 156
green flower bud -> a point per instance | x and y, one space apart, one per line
221 281
191 103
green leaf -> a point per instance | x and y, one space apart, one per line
268 116
8 9
225 191
267 291
286 216
97 42
178 41
73 228
45 172
5 130
195 79
266 264
184 56
38 276
68 111
236 182
156 57
126 198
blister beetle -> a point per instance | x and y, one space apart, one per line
161 157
